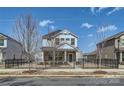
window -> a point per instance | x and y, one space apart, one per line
122 41
1 42
72 41
67 39
62 39
122 56
57 41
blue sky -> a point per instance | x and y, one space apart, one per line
91 25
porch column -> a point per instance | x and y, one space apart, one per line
1 56
43 56
77 56
65 53
120 57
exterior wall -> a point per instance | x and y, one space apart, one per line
67 36
116 43
79 55
107 52
121 38
50 43
121 46
13 49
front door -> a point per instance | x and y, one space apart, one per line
70 57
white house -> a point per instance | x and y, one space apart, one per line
9 48
60 45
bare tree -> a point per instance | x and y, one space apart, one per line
25 31
101 36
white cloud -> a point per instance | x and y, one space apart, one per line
52 27
92 9
91 44
114 10
45 23
90 35
101 9
107 28
95 10
86 25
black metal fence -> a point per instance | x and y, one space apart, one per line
81 63
15 63
97 63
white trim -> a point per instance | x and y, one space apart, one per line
67 31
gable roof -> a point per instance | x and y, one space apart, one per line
8 37
54 33
51 34
113 37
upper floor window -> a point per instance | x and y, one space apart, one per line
57 41
122 41
67 39
1 42
122 56
72 41
62 39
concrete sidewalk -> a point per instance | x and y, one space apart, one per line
85 70
65 70
111 73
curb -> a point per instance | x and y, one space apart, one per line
93 76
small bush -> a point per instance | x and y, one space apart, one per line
99 72
29 71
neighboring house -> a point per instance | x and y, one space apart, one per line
112 47
38 56
61 46
9 48
91 55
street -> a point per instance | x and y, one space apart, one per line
60 81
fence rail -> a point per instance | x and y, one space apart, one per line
99 63
81 63
11 63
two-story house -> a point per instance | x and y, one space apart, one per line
9 48
112 47
60 45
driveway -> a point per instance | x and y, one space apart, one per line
60 81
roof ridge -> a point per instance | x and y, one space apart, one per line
112 36
10 38
51 34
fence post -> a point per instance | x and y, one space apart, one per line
97 63
83 62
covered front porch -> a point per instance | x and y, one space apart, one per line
60 56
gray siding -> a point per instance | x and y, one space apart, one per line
13 49
107 52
